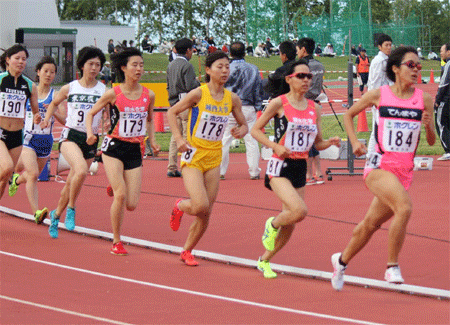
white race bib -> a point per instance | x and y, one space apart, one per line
300 138
400 136
274 166
187 156
35 128
133 124
12 105
211 127
373 160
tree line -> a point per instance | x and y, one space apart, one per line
226 19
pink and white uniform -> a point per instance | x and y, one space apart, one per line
397 133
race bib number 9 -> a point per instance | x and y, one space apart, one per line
300 138
274 166
132 124
12 105
211 127
187 156
401 136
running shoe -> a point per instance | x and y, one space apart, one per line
393 275
320 180
13 187
188 259
53 229
110 191
40 215
70 219
337 279
175 217
445 156
270 233
264 267
117 249
222 177
311 181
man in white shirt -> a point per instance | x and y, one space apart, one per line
378 76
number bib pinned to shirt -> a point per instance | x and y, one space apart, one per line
401 136
300 138
12 105
132 124
211 127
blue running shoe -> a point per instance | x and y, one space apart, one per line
53 229
70 219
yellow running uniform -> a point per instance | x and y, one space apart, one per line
206 126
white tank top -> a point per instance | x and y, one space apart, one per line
79 101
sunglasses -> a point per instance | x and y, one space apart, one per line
301 75
411 64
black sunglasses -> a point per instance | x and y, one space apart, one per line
411 64
301 75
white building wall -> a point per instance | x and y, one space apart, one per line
92 34
25 13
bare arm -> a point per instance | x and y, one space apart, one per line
241 130
35 105
150 127
108 98
427 119
371 98
191 99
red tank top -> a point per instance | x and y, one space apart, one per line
129 117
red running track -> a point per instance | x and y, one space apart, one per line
140 288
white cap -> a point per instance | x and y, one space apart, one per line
106 62
328 44
418 49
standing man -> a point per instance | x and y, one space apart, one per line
378 76
244 81
181 79
305 50
362 69
442 104
274 85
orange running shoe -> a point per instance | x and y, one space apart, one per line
118 249
175 218
188 259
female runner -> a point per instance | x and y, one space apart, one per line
209 107
400 111
15 90
37 142
131 112
81 95
297 128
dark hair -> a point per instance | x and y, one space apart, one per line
87 53
120 59
383 38
288 48
211 58
183 45
10 52
396 58
237 50
447 46
308 43
291 67
45 60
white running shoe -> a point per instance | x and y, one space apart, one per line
445 156
337 279
393 275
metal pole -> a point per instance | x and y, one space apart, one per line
350 156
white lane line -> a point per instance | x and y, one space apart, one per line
64 311
195 293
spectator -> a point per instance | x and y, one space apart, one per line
249 49
110 46
354 51
165 48
362 71
318 50
433 56
305 48
269 47
124 43
329 51
419 53
225 48
147 44
244 81
180 80
259 51
131 43
358 50
275 85
105 74
442 104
